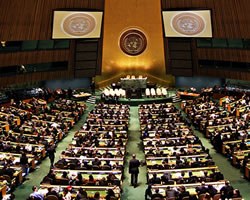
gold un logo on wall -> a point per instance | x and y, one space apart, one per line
133 42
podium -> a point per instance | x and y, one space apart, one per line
134 83
133 87
134 93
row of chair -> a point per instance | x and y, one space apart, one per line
133 77
114 92
168 162
156 92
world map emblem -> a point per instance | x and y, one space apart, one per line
188 24
133 42
78 24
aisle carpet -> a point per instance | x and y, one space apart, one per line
134 145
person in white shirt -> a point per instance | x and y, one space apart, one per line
66 194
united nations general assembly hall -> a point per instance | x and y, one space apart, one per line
125 100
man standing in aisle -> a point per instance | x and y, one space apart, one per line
134 165
51 152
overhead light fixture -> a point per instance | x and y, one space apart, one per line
3 43
23 69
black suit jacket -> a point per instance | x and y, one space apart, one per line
134 166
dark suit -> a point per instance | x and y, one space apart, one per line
51 152
134 170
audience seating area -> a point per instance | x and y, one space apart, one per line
179 167
226 124
93 162
27 129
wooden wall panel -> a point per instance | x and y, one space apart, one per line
32 19
224 74
29 57
231 18
237 55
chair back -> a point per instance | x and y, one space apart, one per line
238 198
147 92
112 92
171 182
171 198
51 197
185 198
164 92
95 167
60 165
7 178
157 198
117 92
202 197
158 92
62 181
217 197
152 92
106 167
106 92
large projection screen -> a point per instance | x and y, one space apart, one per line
196 23
76 24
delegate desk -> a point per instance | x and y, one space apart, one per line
247 171
3 188
226 145
74 114
180 125
238 158
218 120
151 161
21 111
154 140
142 106
184 130
241 110
117 133
18 174
53 118
107 126
176 173
174 149
100 150
16 119
31 158
112 161
186 95
28 129
105 142
32 138
211 129
191 188
97 175
81 95
91 190
5 125
39 148
110 116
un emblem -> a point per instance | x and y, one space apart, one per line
133 42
